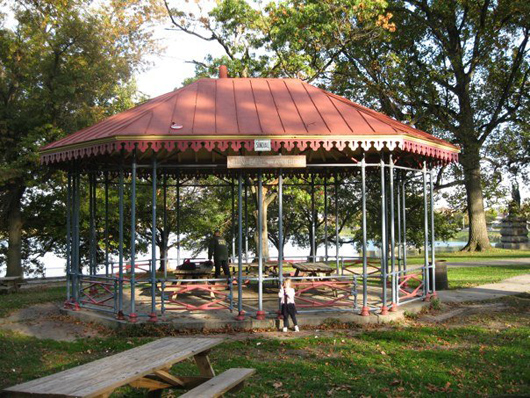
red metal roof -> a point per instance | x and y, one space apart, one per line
233 112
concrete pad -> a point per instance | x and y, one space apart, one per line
509 287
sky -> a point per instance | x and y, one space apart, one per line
173 66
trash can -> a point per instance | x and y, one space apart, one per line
440 272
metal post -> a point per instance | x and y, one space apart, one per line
404 204
92 215
133 316
336 222
232 223
246 222
365 311
326 216
426 234
241 314
152 315
313 220
433 259
106 223
260 314
165 235
280 226
384 308
120 243
68 237
178 217
393 308
77 261
398 198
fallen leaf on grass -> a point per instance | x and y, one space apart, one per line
278 384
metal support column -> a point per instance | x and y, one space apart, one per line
178 218
76 265
365 311
68 238
336 182
232 222
260 314
92 222
426 234
241 314
107 224
132 315
399 242
246 222
165 235
313 221
394 305
404 204
152 315
280 226
120 241
384 246
326 216
433 259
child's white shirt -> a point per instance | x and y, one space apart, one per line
289 292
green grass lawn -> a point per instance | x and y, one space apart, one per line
462 277
27 297
400 361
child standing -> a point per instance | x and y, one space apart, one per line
286 295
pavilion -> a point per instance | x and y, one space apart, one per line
248 129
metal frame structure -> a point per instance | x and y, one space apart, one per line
103 289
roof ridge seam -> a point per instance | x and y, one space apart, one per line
296 106
313 102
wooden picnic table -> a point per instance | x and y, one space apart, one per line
11 283
146 366
312 269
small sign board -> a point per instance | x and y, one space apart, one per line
266 162
262 145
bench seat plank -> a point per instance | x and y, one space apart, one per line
106 374
220 384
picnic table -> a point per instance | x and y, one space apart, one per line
11 283
312 269
146 367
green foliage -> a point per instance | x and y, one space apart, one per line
63 66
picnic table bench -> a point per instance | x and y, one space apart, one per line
11 283
312 269
146 366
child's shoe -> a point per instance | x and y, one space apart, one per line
284 330
296 328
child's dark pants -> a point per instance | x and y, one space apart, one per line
289 309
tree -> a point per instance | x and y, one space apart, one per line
458 69
63 66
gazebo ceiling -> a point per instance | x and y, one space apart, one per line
227 115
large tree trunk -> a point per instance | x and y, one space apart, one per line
14 230
478 233
267 199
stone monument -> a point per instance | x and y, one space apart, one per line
514 232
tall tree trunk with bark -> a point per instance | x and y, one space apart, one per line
478 232
14 230
266 200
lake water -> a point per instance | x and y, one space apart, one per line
55 266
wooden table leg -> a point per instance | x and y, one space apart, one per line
203 362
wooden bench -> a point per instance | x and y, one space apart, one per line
146 366
229 380
10 284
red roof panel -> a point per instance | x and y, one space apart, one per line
210 110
